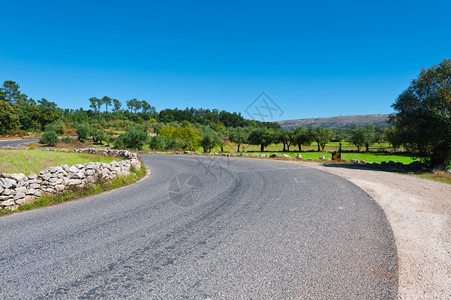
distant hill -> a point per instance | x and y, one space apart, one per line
342 122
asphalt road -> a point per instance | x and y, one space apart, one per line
15 143
239 229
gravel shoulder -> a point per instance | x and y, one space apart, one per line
419 212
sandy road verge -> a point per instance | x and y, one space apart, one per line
419 212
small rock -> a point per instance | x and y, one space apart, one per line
19 196
7 202
21 190
32 176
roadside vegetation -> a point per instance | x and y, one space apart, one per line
420 129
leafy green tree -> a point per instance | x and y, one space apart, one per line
363 136
341 136
50 138
261 136
134 105
392 135
96 103
10 92
134 138
8 117
146 107
97 135
58 127
157 143
286 137
83 131
48 112
209 140
107 101
302 136
423 114
321 135
238 136
117 105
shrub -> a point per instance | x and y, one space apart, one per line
157 143
66 139
58 127
134 138
50 138
83 132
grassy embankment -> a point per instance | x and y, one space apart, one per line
32 161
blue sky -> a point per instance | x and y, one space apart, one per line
313 58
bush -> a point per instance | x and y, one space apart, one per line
157 143
58 127
98 135
134 138
50 138
66 139
83 132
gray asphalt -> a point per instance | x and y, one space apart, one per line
15 143
244 229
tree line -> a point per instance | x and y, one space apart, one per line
421 123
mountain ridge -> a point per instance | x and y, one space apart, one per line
338 122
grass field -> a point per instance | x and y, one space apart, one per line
370 156
34 161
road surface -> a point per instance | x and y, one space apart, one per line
205 228
15 143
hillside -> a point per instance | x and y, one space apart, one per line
342 122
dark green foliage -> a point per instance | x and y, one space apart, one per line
50 138
363 136
321 136
66 139
83 131
239 136
209 140
8 118
302 136
261 136
58 126
97 135
134 138
423 118
157 143
286 137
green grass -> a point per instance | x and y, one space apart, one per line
370 156
34 161
48 200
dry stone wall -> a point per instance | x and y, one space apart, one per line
18 189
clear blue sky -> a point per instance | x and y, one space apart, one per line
313 58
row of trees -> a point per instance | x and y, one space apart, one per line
421 124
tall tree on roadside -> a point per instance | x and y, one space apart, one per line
321 135
117 105
95 104
107 101
10 92
285 136
423 114
261 136
238 136
302 136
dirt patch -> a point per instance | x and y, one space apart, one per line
419 212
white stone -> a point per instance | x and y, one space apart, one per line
19 195
21 190
7 202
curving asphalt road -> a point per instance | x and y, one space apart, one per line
15 143
239 229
